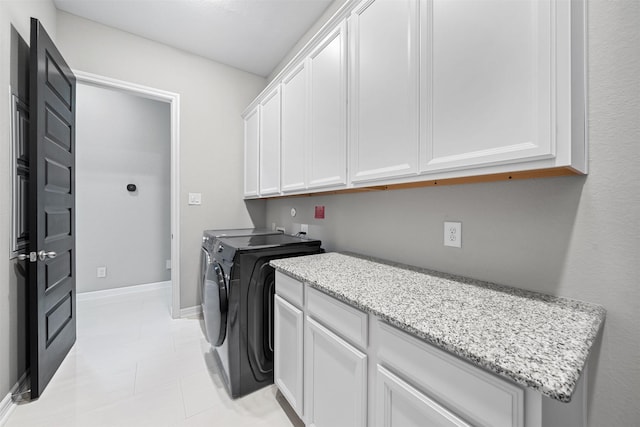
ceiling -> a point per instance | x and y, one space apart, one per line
252 35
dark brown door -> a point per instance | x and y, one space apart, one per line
52 287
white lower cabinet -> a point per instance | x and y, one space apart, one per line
339 366
480 397
335 378
288 328
398 404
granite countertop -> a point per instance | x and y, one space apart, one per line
536 340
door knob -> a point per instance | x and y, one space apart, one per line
32 257
42 255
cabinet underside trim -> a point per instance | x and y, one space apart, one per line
505 176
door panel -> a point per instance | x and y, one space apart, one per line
52 296
335 379
398 404
327 161
288 361
294 129
269 180
251 155
384 85
491 86
215 304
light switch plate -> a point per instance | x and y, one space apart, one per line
453 234
195 198
101 272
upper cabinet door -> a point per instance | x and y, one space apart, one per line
384 83
294 129
251 147
488 82
270 143
327 162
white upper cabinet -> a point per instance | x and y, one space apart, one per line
251 144
384 41
295 129
434 90
327 161
270 144
493 90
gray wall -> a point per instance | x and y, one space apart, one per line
212 98
14 37
577 237
121 139
326 15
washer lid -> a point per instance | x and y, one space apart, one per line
215 304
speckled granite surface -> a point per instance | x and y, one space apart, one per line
536 340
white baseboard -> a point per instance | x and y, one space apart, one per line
125 290
194 311
7 406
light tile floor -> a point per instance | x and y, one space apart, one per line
132 365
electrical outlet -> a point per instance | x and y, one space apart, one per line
101 272
453 234
304 228
167 264
280 229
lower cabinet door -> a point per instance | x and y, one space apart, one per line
398 404
335 380
288 352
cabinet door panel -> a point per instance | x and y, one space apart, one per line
251 147
294 129
384 89
270 144
288 352
327 115
335 378
482 398
400 405
488 88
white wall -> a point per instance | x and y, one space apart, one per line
577 237
14 32
121 139
212 98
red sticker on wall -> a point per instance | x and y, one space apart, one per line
319 212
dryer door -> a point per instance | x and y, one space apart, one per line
214 303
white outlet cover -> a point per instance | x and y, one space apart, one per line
304 228
195 198
453 234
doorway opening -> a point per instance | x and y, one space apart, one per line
149 182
